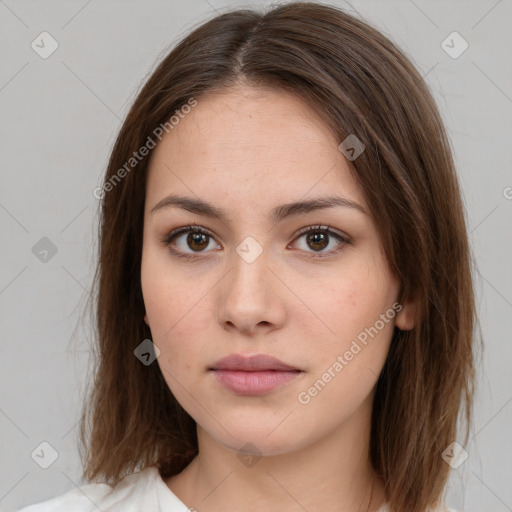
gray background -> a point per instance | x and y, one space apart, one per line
59 118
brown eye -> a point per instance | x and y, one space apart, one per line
317 239
197 241
187 240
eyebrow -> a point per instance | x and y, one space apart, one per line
276 214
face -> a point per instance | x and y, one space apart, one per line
243 275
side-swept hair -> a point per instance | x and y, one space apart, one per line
360 83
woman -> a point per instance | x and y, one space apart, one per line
285 304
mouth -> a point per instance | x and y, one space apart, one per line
253 375
254 363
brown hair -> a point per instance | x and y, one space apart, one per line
362 84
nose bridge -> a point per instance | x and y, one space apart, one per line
248 295
250 273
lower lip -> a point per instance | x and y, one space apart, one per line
254 383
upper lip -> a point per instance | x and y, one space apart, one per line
255 363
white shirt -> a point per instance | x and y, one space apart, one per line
143 491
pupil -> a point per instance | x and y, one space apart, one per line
198 239
317 239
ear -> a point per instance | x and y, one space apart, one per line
406 319
146 319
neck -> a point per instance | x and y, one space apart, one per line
332 474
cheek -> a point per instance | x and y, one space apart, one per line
347 305
167 293
348 310
345 365
174 309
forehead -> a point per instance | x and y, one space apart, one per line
245 140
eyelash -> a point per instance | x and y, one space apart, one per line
169 238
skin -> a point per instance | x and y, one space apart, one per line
247 150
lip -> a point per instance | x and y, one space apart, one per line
253 375
255 363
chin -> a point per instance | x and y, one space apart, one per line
258 436
258 445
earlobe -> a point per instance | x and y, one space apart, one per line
406 318
146 319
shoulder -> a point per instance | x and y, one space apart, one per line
136 491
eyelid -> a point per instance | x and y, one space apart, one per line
321 227
342 238
169 237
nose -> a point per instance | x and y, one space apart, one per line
252 298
